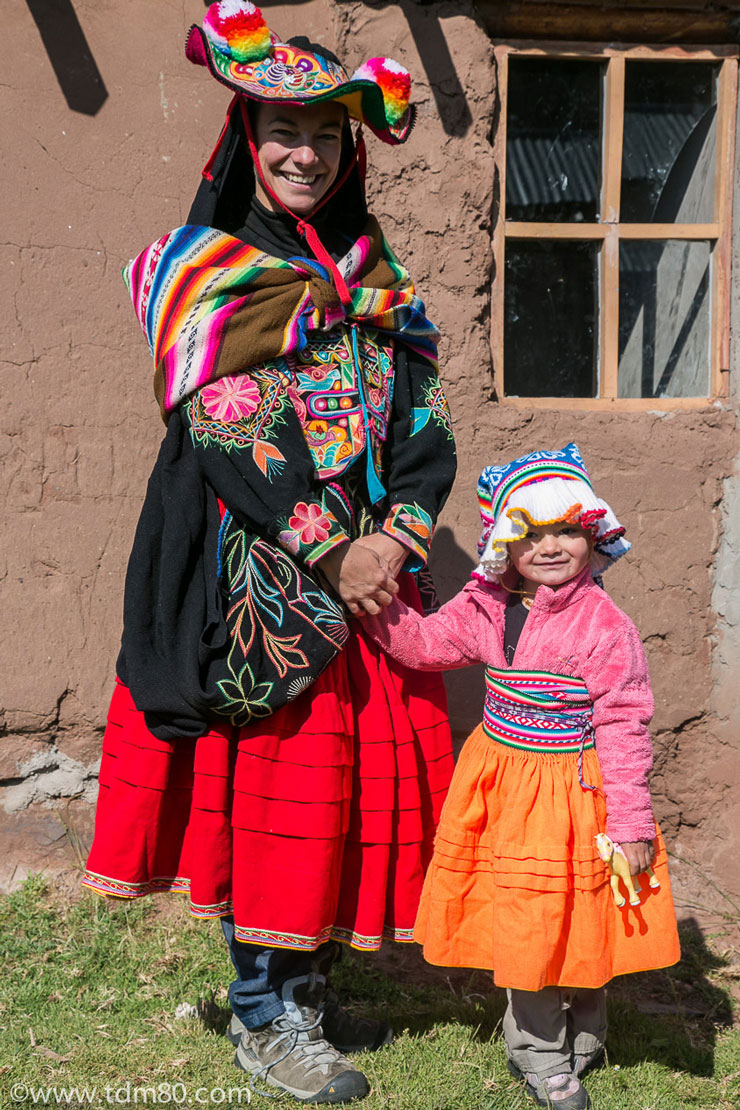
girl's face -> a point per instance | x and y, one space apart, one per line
552 554
299 148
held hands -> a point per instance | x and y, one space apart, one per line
386 548
361 574
640 855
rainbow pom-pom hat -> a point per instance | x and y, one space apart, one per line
241 52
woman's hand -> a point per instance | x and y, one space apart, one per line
388 550
640 855
361 577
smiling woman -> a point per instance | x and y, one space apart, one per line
263 755
299 149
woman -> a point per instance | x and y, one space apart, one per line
290 793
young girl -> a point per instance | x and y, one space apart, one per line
563 753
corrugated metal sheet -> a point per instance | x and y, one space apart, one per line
541 171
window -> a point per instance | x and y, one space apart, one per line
612 246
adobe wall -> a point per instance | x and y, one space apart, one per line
80 427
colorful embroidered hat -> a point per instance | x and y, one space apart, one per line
544 487
242 53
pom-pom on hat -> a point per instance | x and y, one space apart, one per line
544 487
241 52
237 29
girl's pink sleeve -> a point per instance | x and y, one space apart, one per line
455 636
618 681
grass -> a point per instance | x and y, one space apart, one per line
89 991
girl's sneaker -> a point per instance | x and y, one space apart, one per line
583 1062
563 1091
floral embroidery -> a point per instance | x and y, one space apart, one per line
231 398
243 412
283 628
310 531
309 524
435 407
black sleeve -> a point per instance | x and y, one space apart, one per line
421 455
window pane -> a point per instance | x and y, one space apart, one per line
553 139
670 136
664 325
550 325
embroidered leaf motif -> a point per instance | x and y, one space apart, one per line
285 652
281 625
435 407
268 458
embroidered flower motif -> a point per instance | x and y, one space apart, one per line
311 523
230 399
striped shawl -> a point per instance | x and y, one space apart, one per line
210 305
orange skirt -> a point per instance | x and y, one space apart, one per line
516 884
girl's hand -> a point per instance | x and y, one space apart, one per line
362 579
640 854
387 549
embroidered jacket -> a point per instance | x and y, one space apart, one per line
353 413
575 630
293 417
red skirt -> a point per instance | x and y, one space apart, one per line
314 823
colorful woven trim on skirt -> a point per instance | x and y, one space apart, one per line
538 711
116 888
270 939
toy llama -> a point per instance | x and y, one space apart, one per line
616 860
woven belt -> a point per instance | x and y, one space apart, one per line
539 711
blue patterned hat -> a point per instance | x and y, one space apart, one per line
544 487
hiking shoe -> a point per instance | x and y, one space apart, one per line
291 1053
345 1031
563 1091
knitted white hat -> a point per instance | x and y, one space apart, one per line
544 487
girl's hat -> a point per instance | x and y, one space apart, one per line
545 487
242 53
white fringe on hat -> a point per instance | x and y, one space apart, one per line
550 502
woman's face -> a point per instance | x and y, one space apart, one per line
299 148
552 554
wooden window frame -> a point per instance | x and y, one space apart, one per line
609 231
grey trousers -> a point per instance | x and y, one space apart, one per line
544 1029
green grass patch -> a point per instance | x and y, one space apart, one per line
89 990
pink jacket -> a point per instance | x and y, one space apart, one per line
576 630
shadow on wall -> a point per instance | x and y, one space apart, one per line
451 567
71 58
428 35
